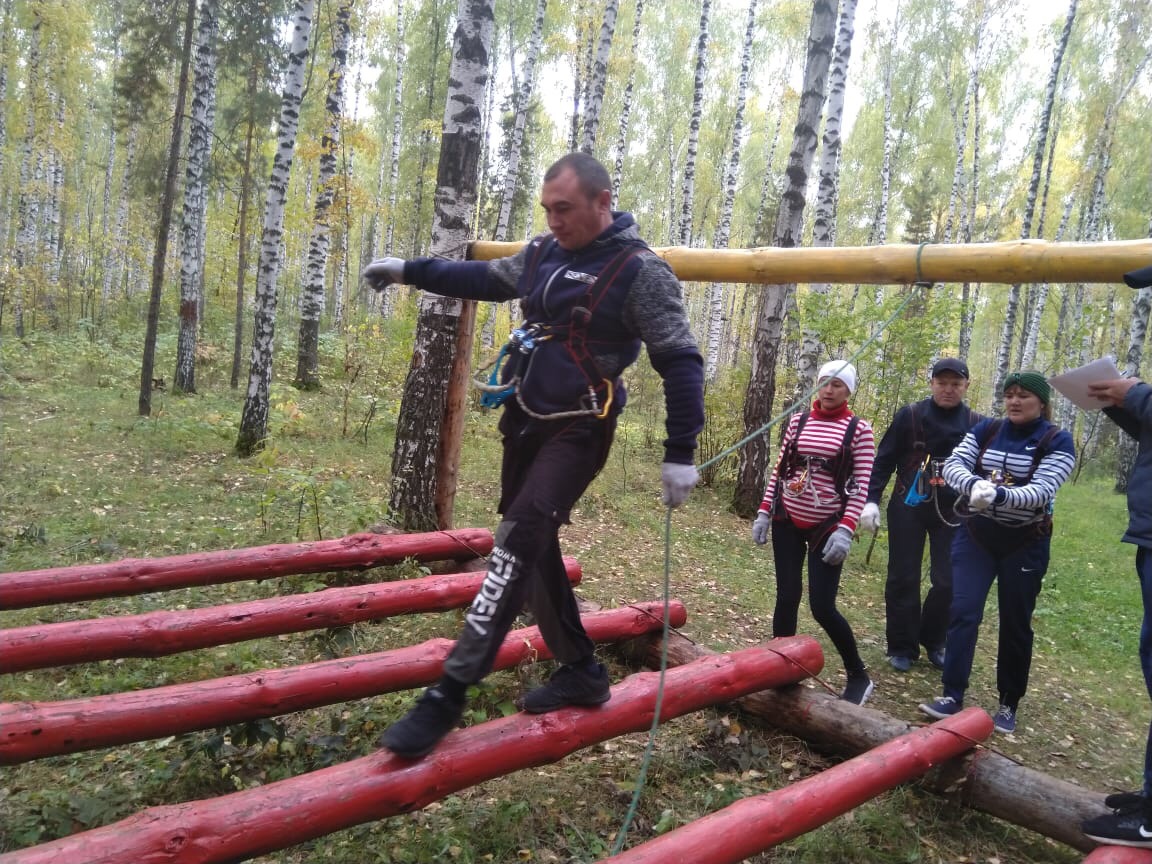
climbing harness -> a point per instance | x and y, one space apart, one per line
794 470
512 365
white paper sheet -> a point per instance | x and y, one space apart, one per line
1074 383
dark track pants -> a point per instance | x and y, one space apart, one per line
1144 572
547 465
790 548
908 624
1018 573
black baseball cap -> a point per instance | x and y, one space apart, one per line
1141 278
950 364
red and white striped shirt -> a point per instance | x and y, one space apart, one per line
809 500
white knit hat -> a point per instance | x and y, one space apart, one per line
841 369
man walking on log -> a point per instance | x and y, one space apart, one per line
592 293
921 436
1130 406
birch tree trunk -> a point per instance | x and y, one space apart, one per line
28 202
430 422
717 290
114 262
687 189
195 199
599 77
160 252
626 108
242 233
312 296
775 302
387 296
1032 324
824 223
254 419
524 98
1137 336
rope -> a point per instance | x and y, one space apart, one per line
802 401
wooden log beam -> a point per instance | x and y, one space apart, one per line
25 588
755 824
34 730
158 634
985 781
278 815
896 264
1119 855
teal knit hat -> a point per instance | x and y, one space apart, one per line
1032 381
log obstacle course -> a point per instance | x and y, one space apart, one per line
278 815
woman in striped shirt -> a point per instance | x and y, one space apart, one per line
1010 472
813 500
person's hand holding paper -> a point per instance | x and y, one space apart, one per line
1076 384
1112 392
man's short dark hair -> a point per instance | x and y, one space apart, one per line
592 175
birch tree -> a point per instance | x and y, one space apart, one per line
430 422
160 251
196 199
687 188
775 300
312 298
824 223
626 107
717 292
254 419
599 77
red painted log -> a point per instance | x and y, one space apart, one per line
756 824
157 634
34 730
25 588
278 815
1119 855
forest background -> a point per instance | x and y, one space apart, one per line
150 231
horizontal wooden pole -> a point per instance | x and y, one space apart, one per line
278 815
34 730
1016 261
985 781
25 588
755 824
165 632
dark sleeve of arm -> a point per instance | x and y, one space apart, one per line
683 375
888 454
1124 420
468 280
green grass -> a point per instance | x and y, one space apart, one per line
86 480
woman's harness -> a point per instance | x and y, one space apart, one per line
512 364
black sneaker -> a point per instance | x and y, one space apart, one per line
1124 801
1123 828
858 688
432 717
899 662
936 657
568 686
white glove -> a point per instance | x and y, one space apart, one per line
384 272
836 549
678 480
870 517
981 495
760 528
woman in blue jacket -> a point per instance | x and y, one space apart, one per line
1010 469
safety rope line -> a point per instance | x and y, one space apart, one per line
802 401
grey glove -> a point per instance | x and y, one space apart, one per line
870 517
678 480
760 528
384 272
981 495
836 549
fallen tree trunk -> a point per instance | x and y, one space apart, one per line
985 781
757 823
158 634
278 815
25 588
34 730
1119 855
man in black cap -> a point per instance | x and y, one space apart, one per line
919 439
